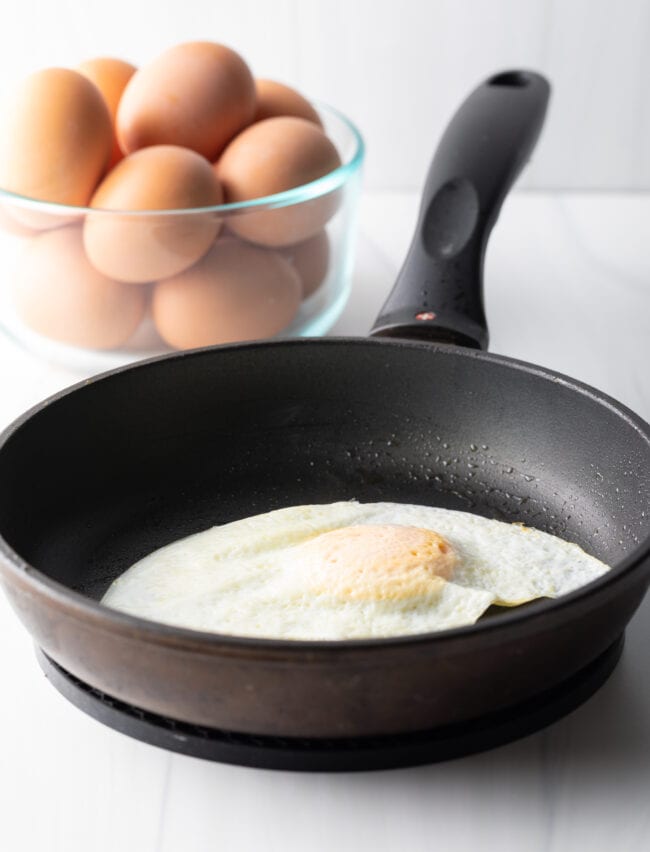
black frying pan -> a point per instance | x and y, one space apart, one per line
101 474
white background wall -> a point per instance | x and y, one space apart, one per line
397 67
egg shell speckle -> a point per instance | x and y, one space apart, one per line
197 95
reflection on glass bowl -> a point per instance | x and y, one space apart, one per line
93 289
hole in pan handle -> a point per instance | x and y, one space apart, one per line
438 294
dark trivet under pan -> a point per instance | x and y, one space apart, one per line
337 755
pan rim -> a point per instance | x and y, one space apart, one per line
109 620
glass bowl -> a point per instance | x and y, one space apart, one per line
55 303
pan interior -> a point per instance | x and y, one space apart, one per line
101 476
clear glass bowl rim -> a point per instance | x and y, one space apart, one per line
306 192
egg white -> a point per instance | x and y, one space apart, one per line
245 578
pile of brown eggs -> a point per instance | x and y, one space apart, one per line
149 149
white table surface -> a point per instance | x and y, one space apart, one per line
567 286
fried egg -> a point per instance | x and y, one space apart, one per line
349 570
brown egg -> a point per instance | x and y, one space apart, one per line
110 76
311 260
141 248
60 295
55 141
272 156
274 99
198 95
12 226
236 292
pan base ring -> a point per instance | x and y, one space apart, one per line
338 755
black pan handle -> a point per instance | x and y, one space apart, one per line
438 294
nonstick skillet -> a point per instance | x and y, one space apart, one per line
101 474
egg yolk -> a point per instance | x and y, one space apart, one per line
380 563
